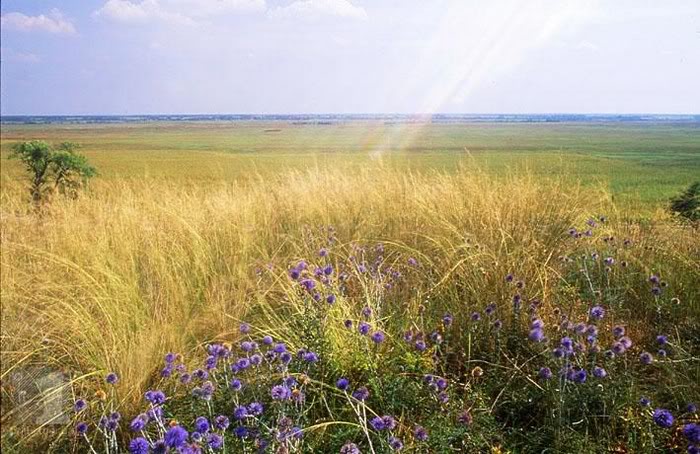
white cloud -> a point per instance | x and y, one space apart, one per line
55 22
179 12
316 9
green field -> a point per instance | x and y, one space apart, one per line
640 165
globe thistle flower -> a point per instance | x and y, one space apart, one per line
441 384
395 444
559 353
691 432
241 412
280 392
509 277
618 348
644 401
580 376
363 328
310 357
112 378
490 309
663 418
244 328
465 418
256 359
597 313
215 441
662 353
536 335
618 331
661 339
348 324
693 449
342 384
139 446
599 372
609 261
656 291
155 397
79 405
241 432
378 337
170 358
294 274
567 343
475 317
200 374
201 424
286 358
654 279
308 284
267 340
81 428
498 324
646 358
155 413
580 328
211 363
166 372
537 323
516 301
138 423
420 433
361 394
279 348
377 423
256 408
221 422
443 397
159 447
447 320
592 331
691 408
350 448
420 345
330 299
235 384
545 373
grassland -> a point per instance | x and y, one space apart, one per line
640 165
193 228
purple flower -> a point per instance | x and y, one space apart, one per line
201 424
241 412
138 423
330 299
267 340
447 320
691 431
342 384
378 337
255 408
279 348
241 432
498 324
215 441
580 376
644 401
361 394
155 397
599 372
280 392
545 373
81 428
236 384
663 418
112 378
221 422
691 408
347 324
618 331
310 357
395 443
597 313
537 323
661 339
536 335
308 284
294 274
79 405
244 328
475 317
420 345
363 328
323 252
646 358
175 437
139 446
350 448
377 423
420 433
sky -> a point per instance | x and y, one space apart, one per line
81 57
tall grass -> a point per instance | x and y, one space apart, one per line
136 268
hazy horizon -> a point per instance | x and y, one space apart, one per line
280 57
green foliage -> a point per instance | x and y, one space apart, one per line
687 204
53 169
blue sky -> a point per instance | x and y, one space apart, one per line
349 56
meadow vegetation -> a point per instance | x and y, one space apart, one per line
481 288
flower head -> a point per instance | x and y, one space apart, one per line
175 437
663 418
112 378
597 313
139 446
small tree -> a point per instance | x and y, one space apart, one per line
52 169
687 204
